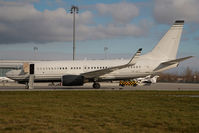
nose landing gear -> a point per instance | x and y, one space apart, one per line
26 85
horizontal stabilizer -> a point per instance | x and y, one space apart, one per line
166 65
177 60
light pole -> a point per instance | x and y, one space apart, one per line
74 10
35 52
105 51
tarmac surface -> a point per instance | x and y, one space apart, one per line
104 86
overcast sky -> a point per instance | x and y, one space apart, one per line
121 25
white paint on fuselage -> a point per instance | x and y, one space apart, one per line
56 69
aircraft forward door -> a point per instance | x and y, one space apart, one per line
32 69
31 76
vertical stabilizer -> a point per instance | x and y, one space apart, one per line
168 46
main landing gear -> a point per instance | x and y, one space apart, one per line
96 85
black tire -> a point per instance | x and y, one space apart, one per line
96 85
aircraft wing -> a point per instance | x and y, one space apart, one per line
101 72
171 62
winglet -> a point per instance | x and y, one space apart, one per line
136 55
97 73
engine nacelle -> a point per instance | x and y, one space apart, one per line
72 80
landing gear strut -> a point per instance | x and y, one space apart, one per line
96 85
27 85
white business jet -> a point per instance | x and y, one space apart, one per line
78 72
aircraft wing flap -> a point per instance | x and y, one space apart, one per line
101 72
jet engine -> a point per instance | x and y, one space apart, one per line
72 80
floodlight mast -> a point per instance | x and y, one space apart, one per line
74 10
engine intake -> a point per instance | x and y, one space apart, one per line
72 80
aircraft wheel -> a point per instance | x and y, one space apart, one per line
96 85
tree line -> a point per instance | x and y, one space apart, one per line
188 76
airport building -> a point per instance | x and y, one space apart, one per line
7 65
3 71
